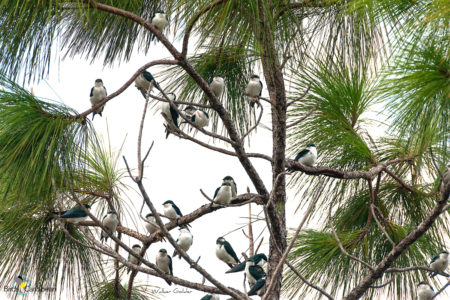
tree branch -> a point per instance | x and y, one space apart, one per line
336 237
335 173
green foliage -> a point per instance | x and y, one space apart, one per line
40 142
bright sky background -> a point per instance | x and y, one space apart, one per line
175 170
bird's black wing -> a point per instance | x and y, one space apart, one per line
92 92
301 154
257 272
105 91
207 297
434 259
174 115
217 191
260 83
177 210
230 251
237 268
258 285
170 265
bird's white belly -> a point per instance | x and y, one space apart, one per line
163 263
151 228
185 242
200 119
170 212
439 265
217 88
111 224
425 294
223 196
222 254
98 94
159 22
253 89
308 159
132 259
141 83
165 108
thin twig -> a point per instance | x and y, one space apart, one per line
336 237
435 164
441 290
256 124
320 290
141 129
381 226
305 116
302 96
381 285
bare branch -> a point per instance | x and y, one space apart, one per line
441 290
305 116
320 290
141 129
303 96
381 285
435 164
381 226
256 124
335 173
181 102
399 180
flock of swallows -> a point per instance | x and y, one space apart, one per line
256 266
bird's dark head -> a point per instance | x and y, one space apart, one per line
172 96
261 256
226 184
160 11
444 252
190 107
98 80
310 145
422 283
228 178
168 202
254 76
147 75
218 76
220 241
87 206
162 250
149 215
112 212
251 259
136 246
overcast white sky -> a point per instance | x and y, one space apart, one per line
176 168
